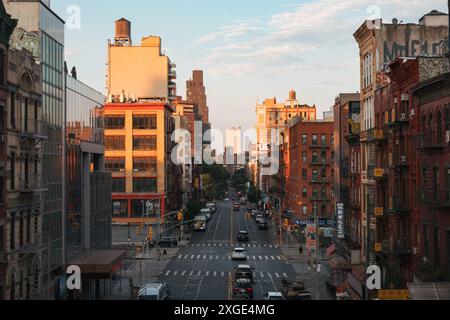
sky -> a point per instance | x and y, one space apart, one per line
249 50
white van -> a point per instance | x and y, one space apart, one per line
154 291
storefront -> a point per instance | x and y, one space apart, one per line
97 270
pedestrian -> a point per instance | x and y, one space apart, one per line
300 250
159 255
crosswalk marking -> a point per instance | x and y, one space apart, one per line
215 273
276 247
203 244
186 256
199 274
273 258
261 274
217 257
207 273
175 273
191 273
254 258
204 257
270 246
229 258
222 274
220 245
183 273
198 257
180 256
279 258
266 257
260 258
198 245
285 275
167 273
277 275
209 244
210 257
270 276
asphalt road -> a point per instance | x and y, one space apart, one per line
204 269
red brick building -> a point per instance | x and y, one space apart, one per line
433 188
392 167
310 178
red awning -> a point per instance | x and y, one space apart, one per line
331 250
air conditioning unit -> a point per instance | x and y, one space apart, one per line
403 158
413 112
415 250
2 138
447 136
395 100
403 117
405 97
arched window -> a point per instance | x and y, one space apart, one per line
439 127
430 128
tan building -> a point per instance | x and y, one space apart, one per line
271 116
137 151
139 72
379 44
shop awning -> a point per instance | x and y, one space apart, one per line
331 250
340 263
100 263
429 291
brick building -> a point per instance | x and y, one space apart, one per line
310 179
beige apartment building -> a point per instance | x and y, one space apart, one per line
272 115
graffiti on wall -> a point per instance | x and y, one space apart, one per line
413 48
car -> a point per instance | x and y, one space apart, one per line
154 291
259 218
263 225
244 271
227 199
243 289
239 254
211 206
255 213
168 242
236 207
243 236
274 296
207 213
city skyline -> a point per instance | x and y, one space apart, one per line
244 48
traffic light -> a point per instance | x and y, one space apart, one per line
180 216
150 233
286 223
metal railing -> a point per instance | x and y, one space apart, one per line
33 184
430 140
435 198
31 128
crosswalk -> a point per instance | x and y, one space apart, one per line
227 244
220 274
228 257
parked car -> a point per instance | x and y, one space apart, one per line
154 291
207 213
236 207
243 236
168 242
239 254
259 218
263 225
274 296
243 289
212 207
255 213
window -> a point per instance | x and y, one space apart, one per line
323 157
151 210
323 173
304 174
315 176
323 193
144 185
116 143
120 208
2 243
144 165
12 168
119 185
315 193
305 139
12 236
304 157
314 157
314 139
144 122
12 115
305 210
115 164
324 140
114 122
305 193
144 143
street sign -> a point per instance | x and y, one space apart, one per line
311 237
393 294
340 221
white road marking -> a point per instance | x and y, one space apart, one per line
254 258
191 273
270 276
167 273
207 273
261 274
183 273
203 244
260 258
222 274
276 247
266 257
273 258
270 246
277 275
279 258
229 258
175 273
220 245
254 246
285 275
209 244
192 257
215 273
180 256
186 256
199 274
210 257
198 245
198 257
204 257
217 257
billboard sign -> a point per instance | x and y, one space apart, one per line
340 221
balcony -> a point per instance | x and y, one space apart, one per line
374 135
320 180
435 198
428 142
172 85
31 129
398 119
400 247
317 162
172 75
319 145
33 185
398 205
398 160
